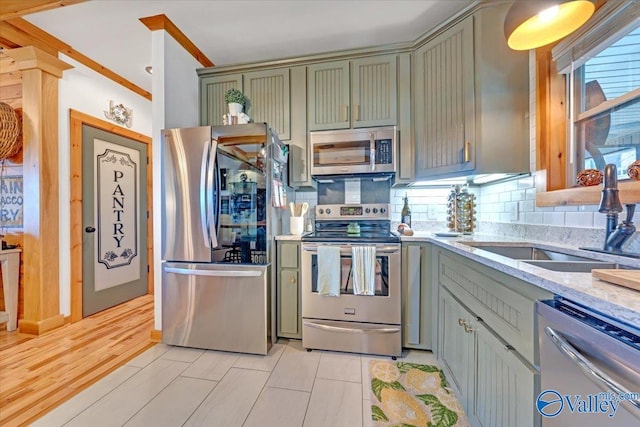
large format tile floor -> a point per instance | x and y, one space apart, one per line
174 386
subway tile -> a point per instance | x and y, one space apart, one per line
554 218
579 219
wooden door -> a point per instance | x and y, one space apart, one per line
329 106
374 99
114 219
444 103
212 90
269 100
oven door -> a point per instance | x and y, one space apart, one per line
384 307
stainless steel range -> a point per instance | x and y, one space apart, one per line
351 281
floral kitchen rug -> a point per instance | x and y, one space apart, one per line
412 395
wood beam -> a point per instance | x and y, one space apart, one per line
39 37
15 8
161 22
40 74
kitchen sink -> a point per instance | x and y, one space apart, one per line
530 253
572 266
545 258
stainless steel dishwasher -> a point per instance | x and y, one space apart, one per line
589 367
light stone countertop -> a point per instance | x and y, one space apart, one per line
615 301
293 237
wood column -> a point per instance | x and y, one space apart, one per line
40 74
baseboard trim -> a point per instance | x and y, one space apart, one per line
156 335
38 327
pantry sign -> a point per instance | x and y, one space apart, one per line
11 202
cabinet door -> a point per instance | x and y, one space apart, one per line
212 90
456 347
289 321
505 385
374 91
416 297
299 155
328 96
444 103
268 99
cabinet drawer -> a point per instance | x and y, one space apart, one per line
288 255
505 304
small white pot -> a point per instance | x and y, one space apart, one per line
234 108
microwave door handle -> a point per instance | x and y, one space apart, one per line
204 170
372 150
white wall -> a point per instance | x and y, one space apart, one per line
84 90
175 104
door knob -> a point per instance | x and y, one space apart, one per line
90 229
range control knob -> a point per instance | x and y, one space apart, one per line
367 210
328 211
375 210
321 211
383 210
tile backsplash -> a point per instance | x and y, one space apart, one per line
508 209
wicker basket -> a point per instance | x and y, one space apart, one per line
10 132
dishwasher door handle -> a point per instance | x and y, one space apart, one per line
585 364
214 273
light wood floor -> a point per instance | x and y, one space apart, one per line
39 373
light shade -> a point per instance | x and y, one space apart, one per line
531 24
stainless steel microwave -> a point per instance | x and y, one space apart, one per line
353 151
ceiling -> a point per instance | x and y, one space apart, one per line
232 32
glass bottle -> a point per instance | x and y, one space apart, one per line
406 212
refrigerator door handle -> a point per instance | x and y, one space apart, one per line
212 195
204 196
214 273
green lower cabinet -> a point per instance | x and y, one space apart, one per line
505 385
417 307
288 297
494 384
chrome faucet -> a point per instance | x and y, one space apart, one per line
615 235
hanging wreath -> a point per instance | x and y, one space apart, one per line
10 132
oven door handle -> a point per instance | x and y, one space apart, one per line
347 250
352 330
585 365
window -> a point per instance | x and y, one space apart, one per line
605 111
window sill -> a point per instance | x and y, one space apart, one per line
629 193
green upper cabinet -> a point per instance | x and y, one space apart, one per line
471 98
267 92
269 99
352 94
212 90
444 98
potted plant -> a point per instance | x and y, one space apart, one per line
236 100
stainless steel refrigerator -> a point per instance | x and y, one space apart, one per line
222 187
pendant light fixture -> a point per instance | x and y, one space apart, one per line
531 24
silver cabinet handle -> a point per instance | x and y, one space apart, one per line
585 365
213 273
352 330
